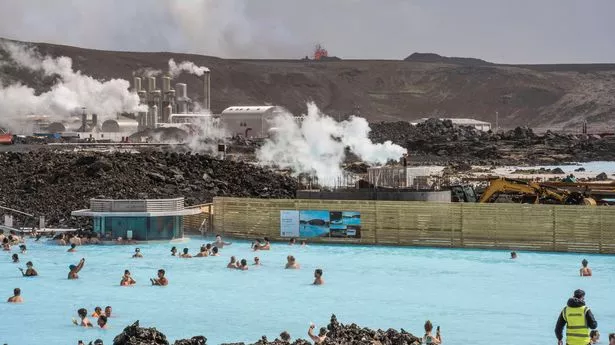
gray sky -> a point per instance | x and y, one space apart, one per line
511 31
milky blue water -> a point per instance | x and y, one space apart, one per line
477 297
594 167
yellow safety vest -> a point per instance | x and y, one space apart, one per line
577 332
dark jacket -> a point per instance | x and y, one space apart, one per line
590 320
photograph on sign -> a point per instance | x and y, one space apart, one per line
313 223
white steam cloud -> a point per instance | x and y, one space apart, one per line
317 144
185 66
72 91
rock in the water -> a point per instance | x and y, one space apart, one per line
135 335
602 177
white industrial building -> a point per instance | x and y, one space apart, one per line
480 125
250 121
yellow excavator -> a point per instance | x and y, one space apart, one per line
531 192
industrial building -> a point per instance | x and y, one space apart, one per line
250 121
480 125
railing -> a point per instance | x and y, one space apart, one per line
144 205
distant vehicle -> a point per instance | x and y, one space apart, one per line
6 138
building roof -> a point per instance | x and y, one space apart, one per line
457 121
252 110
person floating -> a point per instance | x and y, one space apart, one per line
30 271
127 279
75 269
578 319
428 338
291 263
16 298
585 271
318 277
220 243
322 334
513 255
185 254
137 253
161 280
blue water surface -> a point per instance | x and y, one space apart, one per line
478 297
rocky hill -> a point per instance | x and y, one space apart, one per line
541 96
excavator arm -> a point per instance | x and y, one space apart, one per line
536 190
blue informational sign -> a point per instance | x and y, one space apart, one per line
320 223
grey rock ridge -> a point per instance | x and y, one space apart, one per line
426 85
337 334
53 184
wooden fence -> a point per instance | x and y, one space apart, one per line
201 222
460 225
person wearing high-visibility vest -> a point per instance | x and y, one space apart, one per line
578 320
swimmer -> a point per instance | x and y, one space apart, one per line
204 252
102 322
219 243
585 271
75 269
137 253
108 311
292 242
322 334
256 245
594 336
23 248
232 263
16 298
243 265
208 247
214 251
127 279
257 261
173 251
72 249
97 312
318 277
30 271
513 255
83 315
6 245
161 280
267 245
185 254
292 263
15 258
303 243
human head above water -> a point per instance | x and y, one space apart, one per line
215 250
428 326
17 291
161 272
318 273
584 262
218 238
513 255
72 245
82 312
185 250
244 262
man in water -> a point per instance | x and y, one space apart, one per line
291 263
83 315
292 242
16 298
257 261
185 254
513 255
108 311
30 271
578 320
243 265
137 253
102 322
161 280
75 269
318 277
73 248
232 263
127 279
219 243
322 334
585 271
173 251
204 252
15 258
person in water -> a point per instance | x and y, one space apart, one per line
303 243
612 339
6 245
137 253
127 279
220 243
185 254
232 263
594 337
97 312
102 322
73 248
16 298
318 277
83 315
291 263
214 251
108 311
23 248
292 242
15 258
317 339
75 269
243 265
161 280
513 255
203 252
30 271
174 251
428 338
585 271
257 261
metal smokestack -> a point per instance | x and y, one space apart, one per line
151 84
207 90
137 84
94 120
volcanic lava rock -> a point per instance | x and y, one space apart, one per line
135 335
198 340
53 184
602 177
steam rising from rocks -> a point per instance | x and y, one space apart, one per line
317 144
72 90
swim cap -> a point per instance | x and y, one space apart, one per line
72 267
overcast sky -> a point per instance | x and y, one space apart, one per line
511 31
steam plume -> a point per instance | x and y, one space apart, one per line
317 144
71 91
185 66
